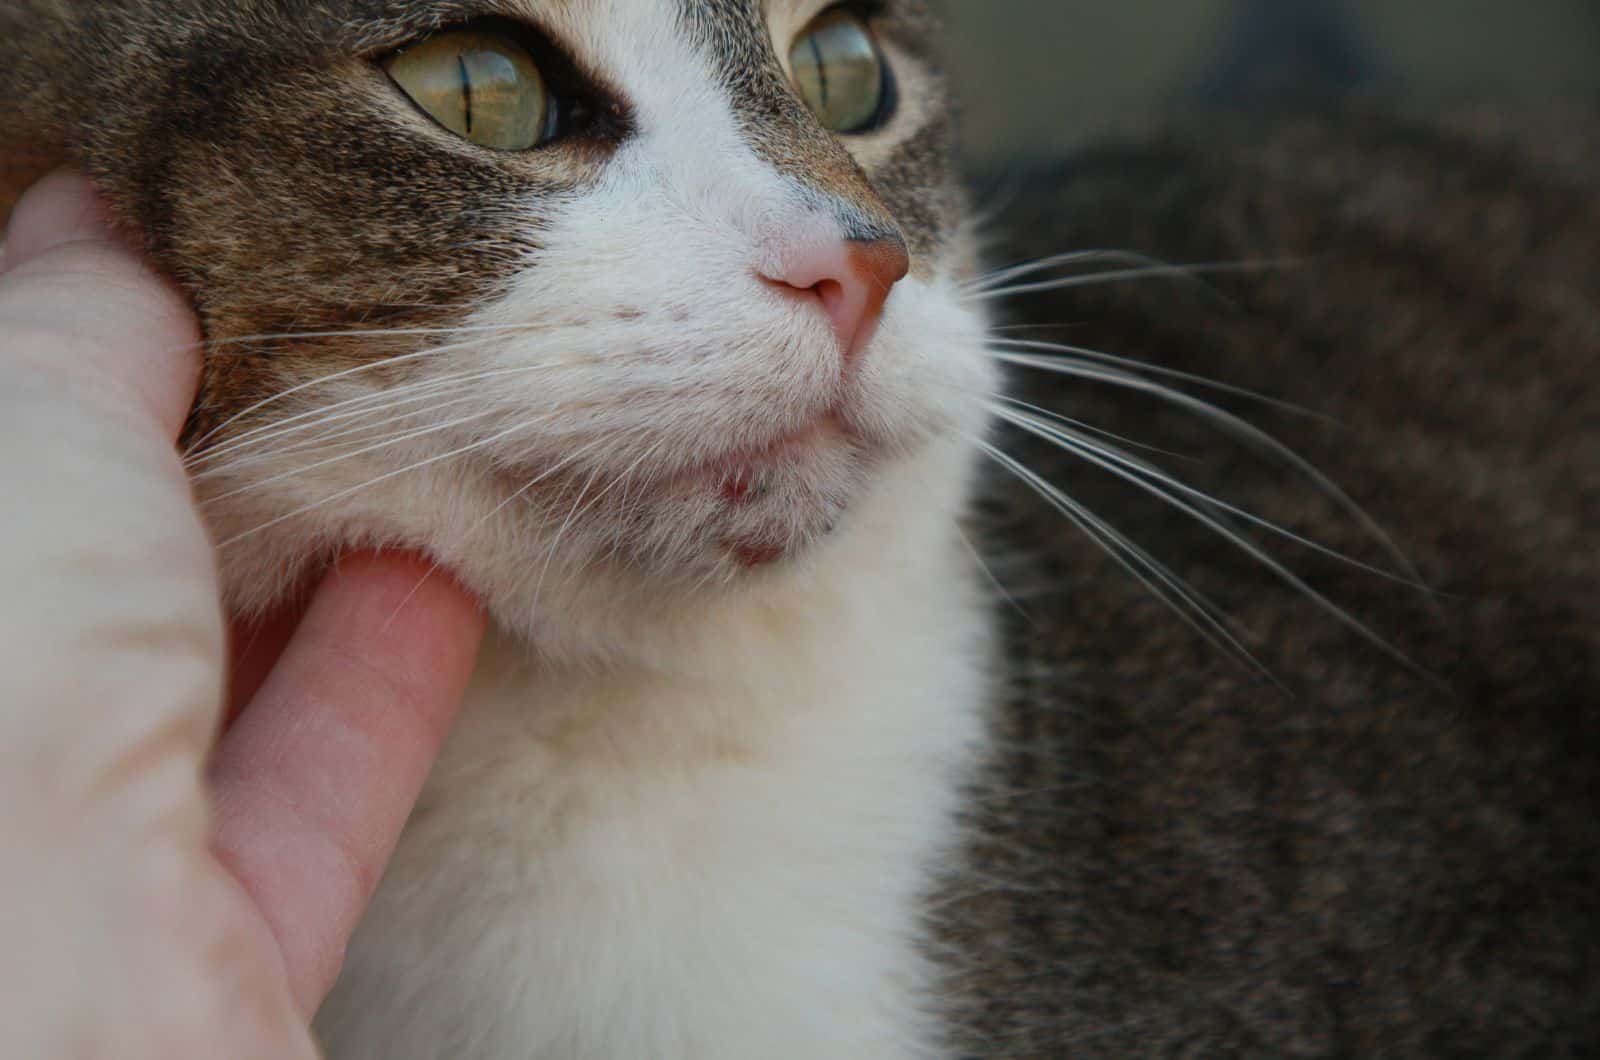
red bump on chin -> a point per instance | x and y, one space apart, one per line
754 556
737 487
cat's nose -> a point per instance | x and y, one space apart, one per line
851 279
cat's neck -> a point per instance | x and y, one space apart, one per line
777 774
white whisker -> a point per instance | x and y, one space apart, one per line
1125 467
405 436
364 333
994 579
1007 273
1082 426
378 401
1135 365
341 494
1179 272
1189 604
1247 432
264 448
579 505
427 351
1152 480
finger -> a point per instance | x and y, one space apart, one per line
256 643
255 648
314 781
111 673
61 208
82 312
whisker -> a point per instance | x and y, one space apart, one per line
386 476
1179 272
1089 451
433 567
427 351
404 394
212 345
1007 273
1053 325
1250 433
994 579
405 436
364 407
1082 426
579 505
522 490
1196 611
265 452
1135 365
983 214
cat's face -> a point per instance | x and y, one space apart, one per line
595 359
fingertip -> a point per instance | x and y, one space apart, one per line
316 779
411 617
406 586
61 208
79 307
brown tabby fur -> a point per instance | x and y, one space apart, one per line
247 142
1171 857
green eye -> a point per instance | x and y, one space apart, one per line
481 86
840 72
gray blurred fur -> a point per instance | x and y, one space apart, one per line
1171 856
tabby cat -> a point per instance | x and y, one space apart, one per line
660 324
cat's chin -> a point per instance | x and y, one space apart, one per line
633 575
604 552
769 503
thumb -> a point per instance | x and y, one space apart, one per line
112 632
82 311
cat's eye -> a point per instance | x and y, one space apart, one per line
840 73
484 87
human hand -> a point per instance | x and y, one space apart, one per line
167 892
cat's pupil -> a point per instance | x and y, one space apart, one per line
840 73
481 86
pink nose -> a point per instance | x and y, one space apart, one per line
851 278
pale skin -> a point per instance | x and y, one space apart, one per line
166 892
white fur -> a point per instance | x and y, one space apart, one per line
720 855
690 810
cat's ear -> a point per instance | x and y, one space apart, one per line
21 164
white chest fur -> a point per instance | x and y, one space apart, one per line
720 856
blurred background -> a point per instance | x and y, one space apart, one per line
1037 75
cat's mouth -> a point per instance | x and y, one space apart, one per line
748 507
742 473
770 500
765 483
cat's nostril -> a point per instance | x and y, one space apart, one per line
852 279
834 299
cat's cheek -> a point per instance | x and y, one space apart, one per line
929 373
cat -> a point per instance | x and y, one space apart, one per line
647 320
798 736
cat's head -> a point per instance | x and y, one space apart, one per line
638 297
